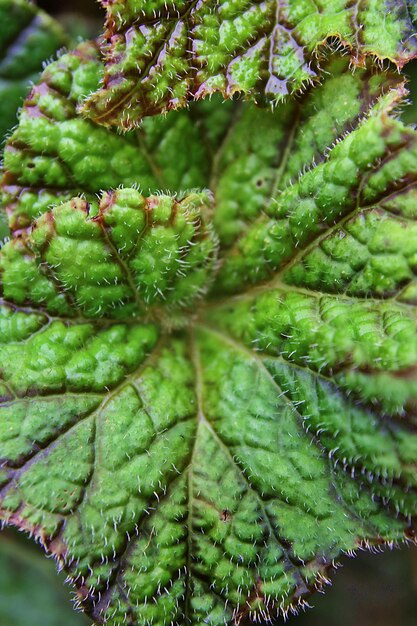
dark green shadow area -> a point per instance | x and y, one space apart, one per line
4 228
31 593
81 19
369 590
409 114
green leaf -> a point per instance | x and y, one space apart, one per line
207 397
159 55
28 38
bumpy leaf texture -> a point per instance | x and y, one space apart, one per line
207 397
162 53
28 37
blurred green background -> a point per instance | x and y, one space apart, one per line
370 590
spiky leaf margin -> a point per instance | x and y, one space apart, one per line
159 55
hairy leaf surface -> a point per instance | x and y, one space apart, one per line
28 37
207 396
159 54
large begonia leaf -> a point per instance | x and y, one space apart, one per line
161 54
208 396
28 38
